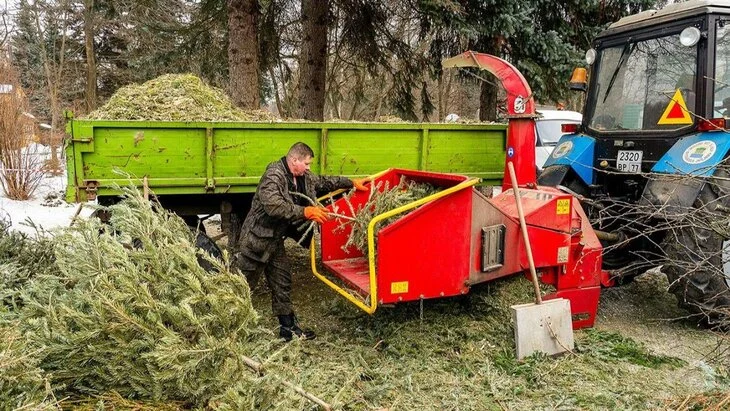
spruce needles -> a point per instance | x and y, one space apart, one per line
382 198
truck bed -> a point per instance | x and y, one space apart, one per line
198 158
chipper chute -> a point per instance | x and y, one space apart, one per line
457 238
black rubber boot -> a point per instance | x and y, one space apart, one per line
289 327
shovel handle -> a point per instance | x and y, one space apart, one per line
523 227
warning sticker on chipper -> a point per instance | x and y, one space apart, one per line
399 287
562 255
563 206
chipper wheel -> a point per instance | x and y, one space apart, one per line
698 255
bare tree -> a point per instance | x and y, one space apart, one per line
20 168
50 22
243 53
4 26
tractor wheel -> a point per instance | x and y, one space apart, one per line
698 257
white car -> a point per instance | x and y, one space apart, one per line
548 131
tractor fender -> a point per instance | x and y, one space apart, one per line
575 151
697 155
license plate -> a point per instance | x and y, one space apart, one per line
629 161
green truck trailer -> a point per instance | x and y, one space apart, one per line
199 168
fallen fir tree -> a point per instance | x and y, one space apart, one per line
23 385
126 308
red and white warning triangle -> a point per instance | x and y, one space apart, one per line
676 112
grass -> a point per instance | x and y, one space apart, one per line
459 354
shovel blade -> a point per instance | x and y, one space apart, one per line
545 327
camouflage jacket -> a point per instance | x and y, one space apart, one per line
274 208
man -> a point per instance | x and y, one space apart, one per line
275 210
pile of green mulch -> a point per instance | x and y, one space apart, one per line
458 353
174 97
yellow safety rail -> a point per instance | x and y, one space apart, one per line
371 245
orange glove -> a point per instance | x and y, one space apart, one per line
317 214
359 183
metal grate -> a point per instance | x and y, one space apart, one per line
492 247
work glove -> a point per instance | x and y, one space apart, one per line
317 214
359 183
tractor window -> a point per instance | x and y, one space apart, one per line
640 83
722 71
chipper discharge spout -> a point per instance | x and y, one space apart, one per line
441 245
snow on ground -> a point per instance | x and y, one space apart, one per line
47 208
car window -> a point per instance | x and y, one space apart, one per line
550 131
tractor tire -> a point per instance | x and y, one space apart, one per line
698 257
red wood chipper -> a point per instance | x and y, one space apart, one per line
447 242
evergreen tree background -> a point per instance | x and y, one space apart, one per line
383 56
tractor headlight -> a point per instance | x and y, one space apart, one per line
689 36
590 56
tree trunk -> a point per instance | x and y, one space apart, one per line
243 53
488 100
313 59
488 95
89 31
279 108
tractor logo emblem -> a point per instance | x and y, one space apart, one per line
519 105
563 149
699 152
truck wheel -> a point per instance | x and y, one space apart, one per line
698 257
208 245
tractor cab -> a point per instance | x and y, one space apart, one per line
655 78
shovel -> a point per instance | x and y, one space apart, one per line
543 326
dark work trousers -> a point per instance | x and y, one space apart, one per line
278 276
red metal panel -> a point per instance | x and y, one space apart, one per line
521 152
583 304
335 232
425 225
353 271
428 250
543 207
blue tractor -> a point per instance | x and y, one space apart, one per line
650 161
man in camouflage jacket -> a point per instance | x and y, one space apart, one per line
275 211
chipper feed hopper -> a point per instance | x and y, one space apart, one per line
443 244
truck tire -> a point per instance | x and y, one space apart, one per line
207 244
697 257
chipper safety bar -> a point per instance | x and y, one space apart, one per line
459 237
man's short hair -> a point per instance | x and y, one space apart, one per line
300 150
